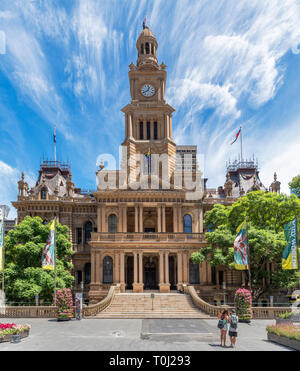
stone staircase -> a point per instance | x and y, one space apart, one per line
132 305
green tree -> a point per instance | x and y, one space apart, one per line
23 274
267 214
295 185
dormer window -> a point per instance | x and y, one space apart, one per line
44 194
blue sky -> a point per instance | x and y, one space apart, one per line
229 63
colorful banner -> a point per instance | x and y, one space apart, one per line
1 243
289 255
48 258
241 248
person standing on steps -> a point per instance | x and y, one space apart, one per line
233 327
223 326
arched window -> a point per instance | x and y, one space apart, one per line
112 223
147 48
43 193
187 224
108 271
87 273
88 229
194 273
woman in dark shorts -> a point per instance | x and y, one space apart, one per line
233 325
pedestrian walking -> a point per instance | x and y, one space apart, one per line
233 327
223 326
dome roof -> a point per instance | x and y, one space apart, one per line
146 33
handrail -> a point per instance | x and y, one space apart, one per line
94 309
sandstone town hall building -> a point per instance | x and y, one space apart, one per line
140 238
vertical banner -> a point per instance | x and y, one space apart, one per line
48 258
241 248
78 306
290 254
1 243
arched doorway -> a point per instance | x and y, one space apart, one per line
108 270
150 273
172 273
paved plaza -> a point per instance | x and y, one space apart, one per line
138 335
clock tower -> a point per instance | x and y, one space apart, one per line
148 118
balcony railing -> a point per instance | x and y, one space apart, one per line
160 237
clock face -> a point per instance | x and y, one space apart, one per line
148 90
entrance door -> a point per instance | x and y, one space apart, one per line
129 273
172 272
150 275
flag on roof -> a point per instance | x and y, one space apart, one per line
54 134
236 136
144 23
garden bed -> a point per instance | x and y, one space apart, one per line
285 334
8 330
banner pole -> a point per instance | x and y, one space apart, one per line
54 262
249 270
3 251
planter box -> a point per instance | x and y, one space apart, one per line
244 320
7 338
282 340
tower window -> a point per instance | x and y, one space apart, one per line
44 194
88 229
141 130
155 130
142 49
112 223
148 130
147 48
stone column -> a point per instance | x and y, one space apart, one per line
141 268
99 267
98 219
163 218
151 129
117 267
167 133
136 219
130 125
161 268
180 226
124 219
170 126
103 219
175 219
135 268
122 271
185 268
179 269
158 219
167 267
93 267
141 228
201 220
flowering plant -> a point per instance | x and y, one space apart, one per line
243 304
12 328
64 302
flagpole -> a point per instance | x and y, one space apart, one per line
55 144
54 261
241 136
3 252
249 270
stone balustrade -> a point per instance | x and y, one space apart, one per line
94 309
161 237
213 311
28 312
